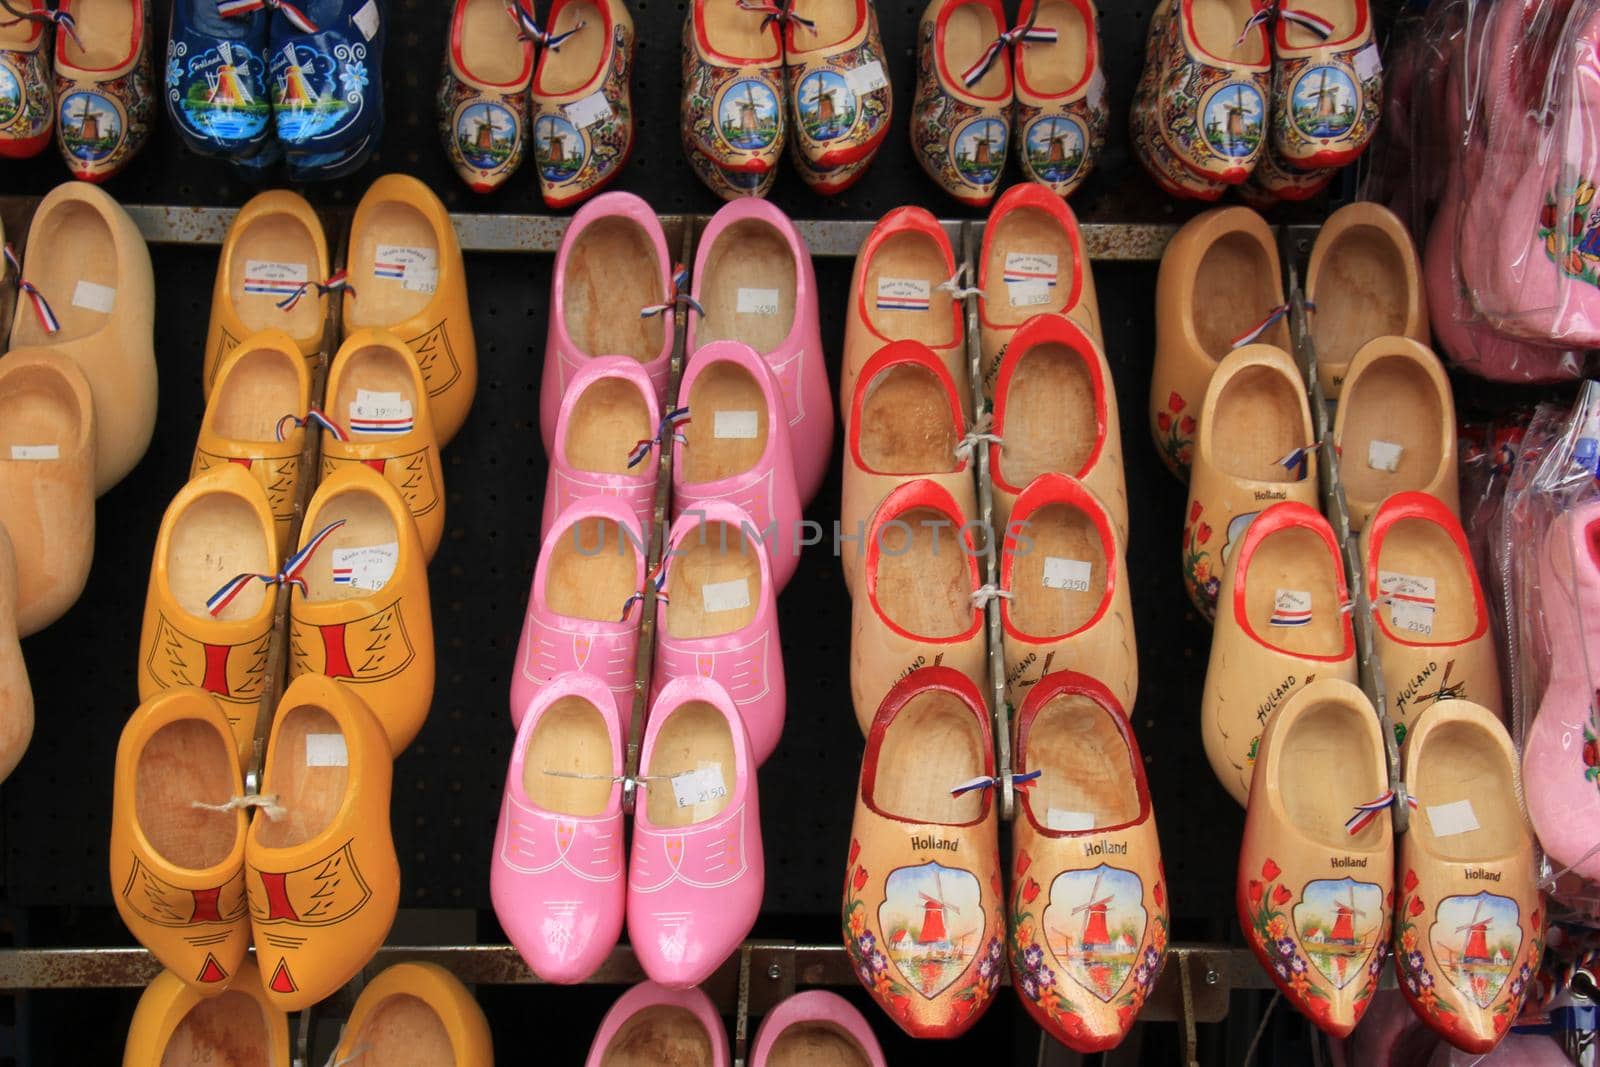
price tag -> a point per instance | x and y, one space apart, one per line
1060 819
758 301
421 280
1368 64
726 596
703 786
385 413
1028 294
416 269
1291 607
92 297
1411 601
368 568
35 452
366 19
326 750
1070 574
588 111
1384 456
903 294
1447 820
734 425
270 277
867 78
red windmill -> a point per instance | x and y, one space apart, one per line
1095 937
933 909
1343 932
1475 947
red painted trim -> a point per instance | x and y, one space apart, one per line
1193 39
1428 508
952 82
1033 195
703 43
906 220
1072 683
920 681
921 493
1047 489
459 16
606 50
1284 516
1048 328
905 353
1091 55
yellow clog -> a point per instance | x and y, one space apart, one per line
416 1013
320 869
177 861
174 1025
407 277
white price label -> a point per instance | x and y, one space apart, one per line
1368 63
588 111
1028 294
703 786
1031 267
867 78
1291 607
1411 601
421 280
758 301
1456 817
372 412
1070 574
92 297
734 425
369 567
35 452
726 596
1061 819
903 294
1384 455
366 19
326 750
416 269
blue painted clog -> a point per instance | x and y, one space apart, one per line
216 77
325 61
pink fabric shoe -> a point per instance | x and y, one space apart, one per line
605 440
734 446
651 1017
696 873
556 877
581 613
1560 779
816 1027
724 623
611 295
754 279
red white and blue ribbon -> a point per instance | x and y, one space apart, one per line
1298 461
41 306
1260 18
680 296
776 13
671 427
656 578
1027 34
340 280
1261 327
1321 27
289 575
296 564
1018 781
297 18
1365 813
312 416
529 29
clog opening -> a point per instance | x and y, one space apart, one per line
1260 418
1052 415
374 369
1052 68
369 532
836 20
1343 15
402 232
403 1031
605 421
929 747
1031 245
695 737
924 580
1217 25
727 428
737 33
907 425
308 770
229 1029
217 537
106 28
916 257
748 289
1418 548
816 1044
186 761
16 34
1290 569
1326 769
262 386
713 582
271 255
969 29
1463 761
657 1035
1235 285
1392 436
570 738
72 261
577 62
1089 780
593 570
1362 292
612 272
491 49
1059 583
37 408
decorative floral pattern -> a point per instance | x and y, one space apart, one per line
1229 136
102 125
1264 910
26 105
710 103
861 945
604 144
1591 744
1199 574
1573 243
1176 435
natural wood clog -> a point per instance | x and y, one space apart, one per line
174 1024
583 100
1061 112
16 695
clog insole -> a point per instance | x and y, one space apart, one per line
713 554
387 301
1260 417
725 401
1394 401
835 20
491 51
185 761
262 386
695 737
37 407
1361 293
1025 231
1423 549
1236 284
377 369
594 569
403 1031
106 28
607 418
659 1036
70 244
1463 761
924 580
1051 415
910 256
968 33
1342 14
15 33
816 1045
748 255
367 523
1059 531
228 1030
310 792
907 424
932 745
577 62
612 273
277 238
1051 68
1326 770
1294 559
570 737
737 33
218 537
1088 767
1217 29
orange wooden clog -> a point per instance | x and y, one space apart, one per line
16 694
416 1013
240 1027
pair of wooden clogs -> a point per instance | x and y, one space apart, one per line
1320 873
411 1013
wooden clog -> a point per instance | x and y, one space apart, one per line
1061 113
961 114
16 695
174 1024
105 86
583 99
483 91
416 1013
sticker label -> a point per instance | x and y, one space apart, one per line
699 787
1367 62
1291 607
1061 819
381 413
269 277
1411 601
366 19
1384 456
588 111
326 750
726 596
903 294
35 452
1069 574
1030 267
758 301
1447 820
1028 294
368 568
416 269
867 78
1097 86
92 297
734 425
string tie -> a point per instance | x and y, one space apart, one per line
291 575
231 9
313 416
1018 781
339 281
41 306
670 429
268 804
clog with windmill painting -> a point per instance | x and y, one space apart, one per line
1327 82
27 91
105 90
175 1024
208 609
16 693
732 114
1273 181
177 841
420 1013
815 1027
1316 868
1061 115
216 79
483 90
924 913
272 274
1211 92
961 114
837 78
1469 930
1145 117
1255 449
676 1025
406 276
610 402
1218 287
583 99
1088 921
1432 632
1280 624
320 50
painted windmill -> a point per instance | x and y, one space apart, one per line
293 88
555 146
1325 96
822 100
88 123
1475 959
933 932
982 156
1057 143
1344 921
483 134
1236 114
227 90
1094 937
749 111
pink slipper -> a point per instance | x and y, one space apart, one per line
556 877
724 623
611 295
753 278
696 873
816 1027
674 1025
734 446
581 615
605 440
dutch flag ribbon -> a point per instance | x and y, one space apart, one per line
1298 461
41 306
529 28
679 295
776 13
1365 813
671 427
1321 27
1018 781
290 575
1028 34
297 18
313 415
1261 327
656 578
1260 18
340 280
